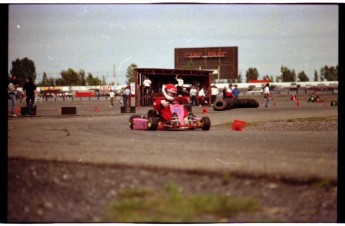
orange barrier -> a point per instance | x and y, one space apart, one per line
85 94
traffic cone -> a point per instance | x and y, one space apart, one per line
297 103
17 110
96 109
204 111
238 125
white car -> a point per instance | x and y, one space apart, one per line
255 91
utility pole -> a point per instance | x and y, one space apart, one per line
114 78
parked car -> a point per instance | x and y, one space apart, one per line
277 89
294 86
256 90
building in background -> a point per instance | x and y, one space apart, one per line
222 60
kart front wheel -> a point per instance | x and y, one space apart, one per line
206 123
130 121
152 123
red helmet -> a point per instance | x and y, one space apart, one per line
169 91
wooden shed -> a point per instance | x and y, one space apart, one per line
159 77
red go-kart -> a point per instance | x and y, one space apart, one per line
153 121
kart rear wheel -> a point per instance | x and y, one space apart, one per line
130 121
152 123
206 123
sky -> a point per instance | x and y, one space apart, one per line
104 39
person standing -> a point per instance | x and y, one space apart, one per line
12 94
214 93
193 92
180 84
202 96
147 86
126 94
29 89
112 96
236 91
267 94
228 92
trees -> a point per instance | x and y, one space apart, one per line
22 69
93 81
70 77
329 73
239 78
302 77
252 74
130 73
287 75
316 77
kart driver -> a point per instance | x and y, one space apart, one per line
162 105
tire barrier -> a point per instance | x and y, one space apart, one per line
227 104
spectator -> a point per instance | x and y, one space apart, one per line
202 96
224 92
180 84
267 94
147 86
193 92
126 94
312 98
293 97
318 99
12 93
112 97
228 92
29 89
235 92
214 93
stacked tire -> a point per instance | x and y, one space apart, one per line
227 104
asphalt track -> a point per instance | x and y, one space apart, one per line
100 134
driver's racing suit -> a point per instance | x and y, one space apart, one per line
162 106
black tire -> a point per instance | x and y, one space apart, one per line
220 105
152 123
232 103
130 121
152 113
206 123
247 103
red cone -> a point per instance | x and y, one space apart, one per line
238 125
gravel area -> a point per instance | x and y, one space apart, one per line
326 124
52 191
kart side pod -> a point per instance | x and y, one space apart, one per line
140 123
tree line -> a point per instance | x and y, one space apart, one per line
26 67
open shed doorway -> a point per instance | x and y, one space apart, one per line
159 77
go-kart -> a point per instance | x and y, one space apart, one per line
153 121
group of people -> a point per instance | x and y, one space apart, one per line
29 89
313 98
229 92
